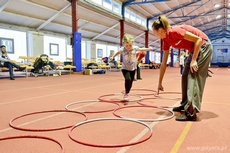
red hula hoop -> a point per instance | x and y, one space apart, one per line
112 101
50 129
35 136
100 111
154 91
110 145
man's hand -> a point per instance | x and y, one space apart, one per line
193 66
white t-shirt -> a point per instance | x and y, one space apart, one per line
129 58
182 60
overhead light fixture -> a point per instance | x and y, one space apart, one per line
216 5
218 16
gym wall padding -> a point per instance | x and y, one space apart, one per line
77 51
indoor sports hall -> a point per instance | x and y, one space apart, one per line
78 105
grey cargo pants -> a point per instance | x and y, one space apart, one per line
193 83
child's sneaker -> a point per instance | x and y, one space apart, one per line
59 72
126 97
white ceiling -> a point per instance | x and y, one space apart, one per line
99 24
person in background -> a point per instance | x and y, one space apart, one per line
6 62
182 60
140 55
196 67
112 60
106 60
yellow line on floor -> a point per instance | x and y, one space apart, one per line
180 140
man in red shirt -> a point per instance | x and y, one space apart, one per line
196 66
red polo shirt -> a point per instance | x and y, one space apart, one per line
175 37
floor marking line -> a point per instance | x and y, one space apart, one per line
53 94
142 133
61 84
181 138
7 129
39 119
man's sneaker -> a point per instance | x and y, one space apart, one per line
178 109
22 68
126 97
12 78
186 117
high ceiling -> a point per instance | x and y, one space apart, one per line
100 24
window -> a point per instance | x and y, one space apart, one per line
127 12
138 19
97 1
132 16
150 25
99 53
117 8
54 49
143 22
107 4
9 43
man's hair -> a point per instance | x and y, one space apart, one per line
2 46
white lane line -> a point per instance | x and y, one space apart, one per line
142 133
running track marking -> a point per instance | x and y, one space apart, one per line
27 123
53 94
68 92
142 133
7 129
181 138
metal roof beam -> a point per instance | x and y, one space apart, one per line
154 41
216 27
204 14
79 28
198 7
132 2
195 16
173 10
53 17
219 37
3 6
106 31
208 22
139 35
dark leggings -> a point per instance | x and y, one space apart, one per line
129 77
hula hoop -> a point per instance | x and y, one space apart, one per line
110 145
104 100
142 104
145 120
168 93
48 129
84 101
154 91
35 136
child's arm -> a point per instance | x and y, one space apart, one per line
117 53
146 49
